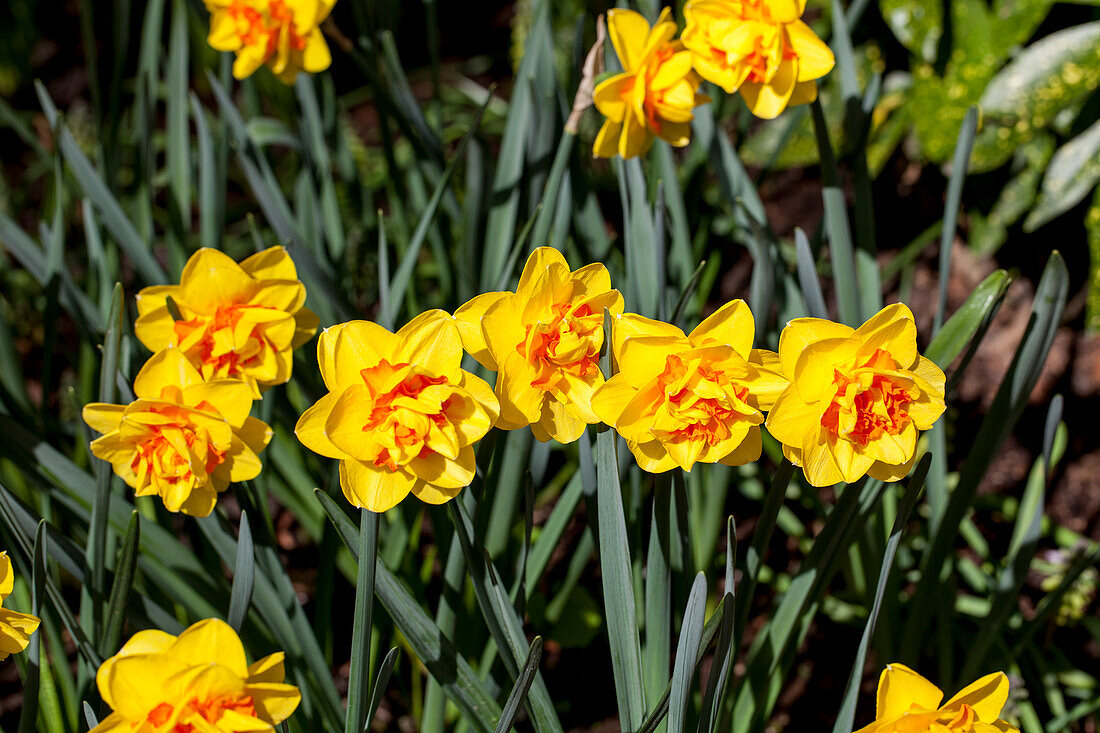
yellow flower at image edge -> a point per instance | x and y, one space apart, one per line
15 628
183 439
239 321
908 703
401 414
284 34
761 48
654 95
198 681
544 343
680 399
857 397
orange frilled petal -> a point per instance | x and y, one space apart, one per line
283 34
857 398
401 414
544 340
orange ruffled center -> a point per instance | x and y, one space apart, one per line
173 450
653 97
921 720
212 342
569 343
255 27
210 711
700 404
408 416
868 404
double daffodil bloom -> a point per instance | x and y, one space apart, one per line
655 93
15 628
544 343
758 47
238 321
183 439
908 703
198 681
401 414
857 397
284 34
681 399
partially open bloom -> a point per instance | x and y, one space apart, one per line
183 439
15 628
761 48
655 93
908 703
680 399
401 414
198 681
284 34
238 321
544 343
857 397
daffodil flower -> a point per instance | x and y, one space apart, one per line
15 628
183 439
401 414
544 343
655 93
197 681
236 321
761 48
681 399
284 34
857 397
908 703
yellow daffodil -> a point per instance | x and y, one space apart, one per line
15 628
680 399
758 47
655 93
544 343
183 439
401 414
238 321
857 397
284 34
908 703
197 681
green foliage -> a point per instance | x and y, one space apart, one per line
442 201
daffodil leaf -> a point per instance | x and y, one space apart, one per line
521 687
244 576
691 632
32 678
115 615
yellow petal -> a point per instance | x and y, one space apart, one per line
223 34
732 324
101 417
815 370
606 144
211 641
306 323
133 685
372 488
800 333
815 58
244 464
538 263
900 688
804 93
351 410
673 70
468 319
784 11
886 317
768 381
632 325
520 403
767 101
890 473
317 56
610 398
156 329
608 97
255 433
211 279
444 476
113 723
168 367
200 501
273 263
344 351
747 451
987 696
310 429
628 31
636 139
432 341
651 456
560 421
274 702
149 641
232 399
7 576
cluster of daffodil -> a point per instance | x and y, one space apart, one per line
760 48
402 416
283 34
220 338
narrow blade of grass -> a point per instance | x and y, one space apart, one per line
521 686
687 648
959 165
119 600
244 576
358 678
